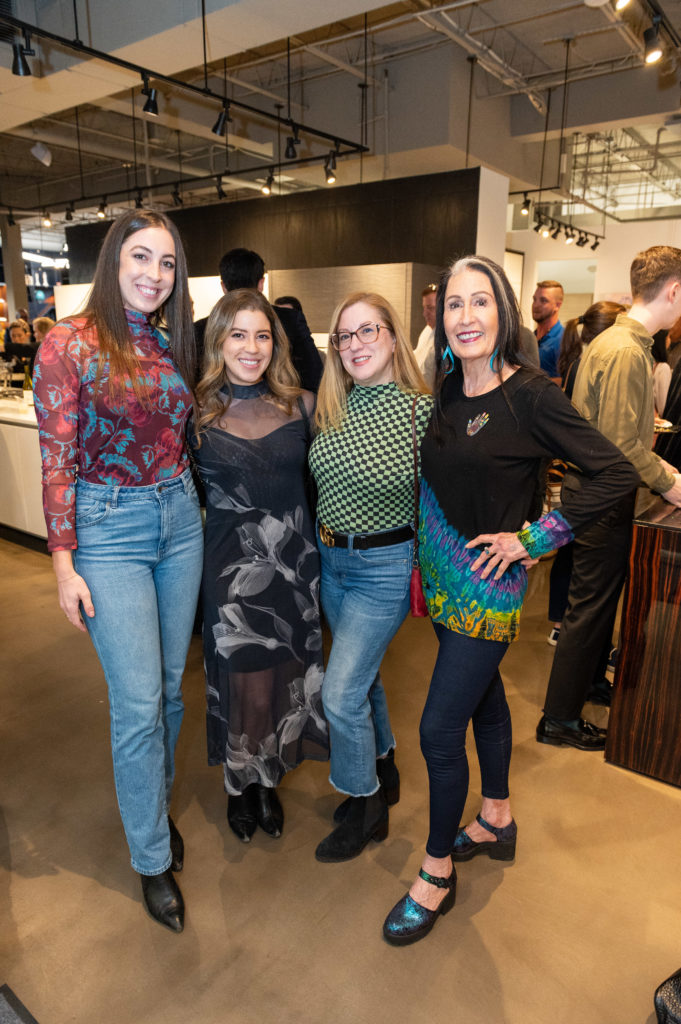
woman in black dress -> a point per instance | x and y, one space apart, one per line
261 633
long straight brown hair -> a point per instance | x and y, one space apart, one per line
105 311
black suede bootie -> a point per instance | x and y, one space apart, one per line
366 818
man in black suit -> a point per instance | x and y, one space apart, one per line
243 268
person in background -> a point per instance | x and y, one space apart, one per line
20 348
41 326
674 344
363 464
662 372
262 639
290 302
495 422
112 396
614 392
579 333
244 268
425 346
546 303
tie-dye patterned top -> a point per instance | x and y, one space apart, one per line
485 478
104 439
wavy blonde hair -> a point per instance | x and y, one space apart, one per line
336 383
282 380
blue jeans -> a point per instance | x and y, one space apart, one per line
466 686
365 597
140 553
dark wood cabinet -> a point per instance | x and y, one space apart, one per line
644 731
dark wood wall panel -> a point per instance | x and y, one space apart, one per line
643 730
426 219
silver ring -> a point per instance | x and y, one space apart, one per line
487 550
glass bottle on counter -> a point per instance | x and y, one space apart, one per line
28 384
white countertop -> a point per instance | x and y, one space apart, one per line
12 411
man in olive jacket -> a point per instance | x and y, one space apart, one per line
614 392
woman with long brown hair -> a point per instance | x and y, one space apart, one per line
112 391
260 591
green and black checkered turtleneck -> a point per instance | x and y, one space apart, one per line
364 471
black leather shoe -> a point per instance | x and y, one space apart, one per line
366 818
176 847
163 900
585 736
269 812
242 813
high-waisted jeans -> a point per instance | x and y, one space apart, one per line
466 685
365 597
140 553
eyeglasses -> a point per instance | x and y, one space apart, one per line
367 334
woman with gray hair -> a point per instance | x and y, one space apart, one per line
495 422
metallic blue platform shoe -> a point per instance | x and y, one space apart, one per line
408 921
503 849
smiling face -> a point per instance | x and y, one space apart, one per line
367 364
146 269
471 320
248 346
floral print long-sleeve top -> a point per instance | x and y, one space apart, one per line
104 439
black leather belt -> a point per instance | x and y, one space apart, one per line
362 541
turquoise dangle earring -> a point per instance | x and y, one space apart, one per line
501 361
448 354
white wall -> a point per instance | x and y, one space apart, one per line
612 258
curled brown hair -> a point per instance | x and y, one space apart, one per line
597 318
282 379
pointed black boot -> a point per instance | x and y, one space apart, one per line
389 778
176 847
242 813
269 812
366 818
163 900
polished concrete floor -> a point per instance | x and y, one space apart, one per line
580 929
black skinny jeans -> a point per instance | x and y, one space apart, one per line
466 686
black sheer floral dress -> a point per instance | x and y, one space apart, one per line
262 639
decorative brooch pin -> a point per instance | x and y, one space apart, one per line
481 420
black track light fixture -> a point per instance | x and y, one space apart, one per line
151 106
525 208
538 224
139 200
291 142
47 220
267 187
10 219
330 167
21 51
595 245
101 212
569 236
177 198
651 42
220 190
556 231
582 240
220 125
69 213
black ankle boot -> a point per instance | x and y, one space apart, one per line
366 818
163 900
388 777
176 847
242 813
269 812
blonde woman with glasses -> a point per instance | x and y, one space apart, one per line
362 463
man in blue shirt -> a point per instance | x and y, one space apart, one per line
546 303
